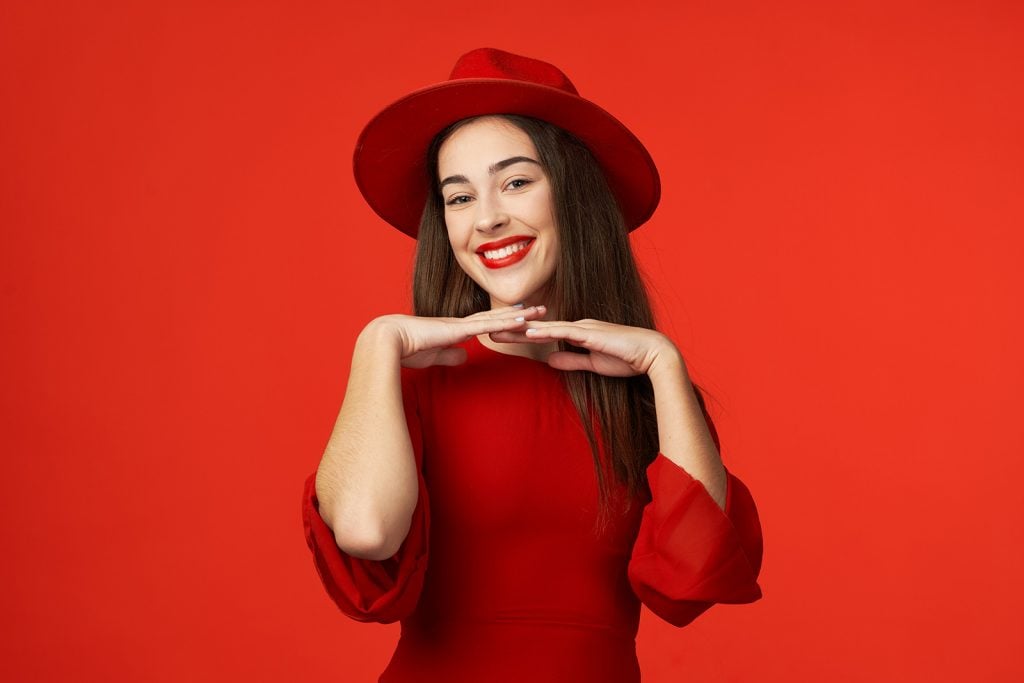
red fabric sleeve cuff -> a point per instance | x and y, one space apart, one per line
689 549
367 590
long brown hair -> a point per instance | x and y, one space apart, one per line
596 277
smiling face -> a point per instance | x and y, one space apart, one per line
499 211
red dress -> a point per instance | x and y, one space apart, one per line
502 577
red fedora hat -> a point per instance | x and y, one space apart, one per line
390 156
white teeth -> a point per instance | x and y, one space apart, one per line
505 251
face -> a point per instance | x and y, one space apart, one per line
499 210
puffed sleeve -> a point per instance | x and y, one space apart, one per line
689 552
370 590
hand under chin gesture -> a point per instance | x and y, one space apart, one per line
614 350
424 341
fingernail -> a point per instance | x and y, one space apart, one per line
519 305
520 319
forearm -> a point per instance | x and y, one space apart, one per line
683 434
366 483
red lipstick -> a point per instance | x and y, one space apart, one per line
512 258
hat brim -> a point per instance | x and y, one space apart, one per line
390 155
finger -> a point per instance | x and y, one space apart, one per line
488 325
585 324
494 324
558 331
487 312
567 360
508 311
515 336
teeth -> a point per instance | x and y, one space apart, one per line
505 251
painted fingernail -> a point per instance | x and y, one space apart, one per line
519 305
520 319
531 329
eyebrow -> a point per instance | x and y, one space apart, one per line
492 169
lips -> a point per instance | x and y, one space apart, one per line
509 260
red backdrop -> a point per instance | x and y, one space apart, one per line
186 263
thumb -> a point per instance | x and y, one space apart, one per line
567 360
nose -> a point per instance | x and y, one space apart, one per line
490 215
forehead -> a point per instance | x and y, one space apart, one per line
481 142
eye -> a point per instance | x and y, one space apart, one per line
517 183
457 199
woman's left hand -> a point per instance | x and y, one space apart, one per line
615 350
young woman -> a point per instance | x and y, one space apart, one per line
521 463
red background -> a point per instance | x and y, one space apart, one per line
186 262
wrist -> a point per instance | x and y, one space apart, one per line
668 362
379 334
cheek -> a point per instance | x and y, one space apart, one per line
459 229
457 242
543 208
552 260
465 260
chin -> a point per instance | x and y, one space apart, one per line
512 292
512 295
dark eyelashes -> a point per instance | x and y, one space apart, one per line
515 184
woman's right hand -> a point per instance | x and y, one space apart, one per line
426 341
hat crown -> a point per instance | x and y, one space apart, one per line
391 155
488 62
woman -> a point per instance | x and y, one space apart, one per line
523 461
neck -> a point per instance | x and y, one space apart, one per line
533 350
